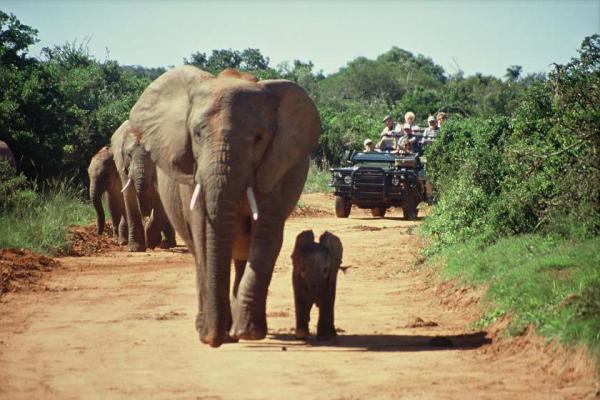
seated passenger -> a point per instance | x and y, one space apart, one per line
389 126
387 143
409 118
441 118
368 146
407 141
432 130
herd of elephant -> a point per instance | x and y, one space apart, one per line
222 161
125 175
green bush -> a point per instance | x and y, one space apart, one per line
37 219
542 280
317 180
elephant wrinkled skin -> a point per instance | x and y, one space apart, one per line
233 157
137 173
104 180
314 278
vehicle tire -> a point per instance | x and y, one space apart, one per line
378 212
342 207
410 213
409 207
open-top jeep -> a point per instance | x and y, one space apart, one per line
379 180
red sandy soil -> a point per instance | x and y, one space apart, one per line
121 325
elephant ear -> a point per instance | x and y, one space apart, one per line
303 240
334 245
160 119
116 144
297 132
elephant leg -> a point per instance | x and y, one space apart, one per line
240 266
96 193
325 326
152 232
168 232
249 306
137 241
116 210
302 306
123 230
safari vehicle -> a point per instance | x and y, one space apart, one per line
379 180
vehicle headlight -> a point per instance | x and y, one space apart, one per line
395 181
347 179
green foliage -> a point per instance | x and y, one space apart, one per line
537 172
317 180
542 280
37 219
15 38
56 114
519 204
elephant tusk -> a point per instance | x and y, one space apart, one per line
252 201
195 197
126 185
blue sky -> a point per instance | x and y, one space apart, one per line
485 36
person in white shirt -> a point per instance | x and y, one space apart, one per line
389 129
409 118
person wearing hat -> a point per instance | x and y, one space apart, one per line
368 146
429 133
389 126
432 128
406 141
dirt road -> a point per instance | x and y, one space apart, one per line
120 325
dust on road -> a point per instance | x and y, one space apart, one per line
120 325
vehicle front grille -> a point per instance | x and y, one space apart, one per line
369 181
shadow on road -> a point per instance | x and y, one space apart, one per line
375 342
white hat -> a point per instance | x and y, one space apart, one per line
431 118
367 141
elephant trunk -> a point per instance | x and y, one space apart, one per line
140 180
221 210
96 197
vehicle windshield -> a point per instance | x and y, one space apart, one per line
377 159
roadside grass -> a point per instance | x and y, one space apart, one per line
317 180
547 281
37 218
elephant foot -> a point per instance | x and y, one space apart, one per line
167 244
122 241
249 330
153 240
301 334
135 247
326 334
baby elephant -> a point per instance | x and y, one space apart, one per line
314 278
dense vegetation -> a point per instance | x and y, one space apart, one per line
519 206
58 110
35 217
517 166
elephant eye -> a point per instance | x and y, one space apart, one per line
258 138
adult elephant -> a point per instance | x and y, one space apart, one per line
137 173
105 180
6 154
233 155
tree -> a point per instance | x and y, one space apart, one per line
15 39
245 60
513 73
